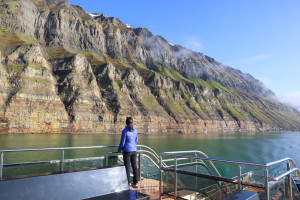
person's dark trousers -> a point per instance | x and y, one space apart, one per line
130 157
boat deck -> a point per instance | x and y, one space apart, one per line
151 188
259 191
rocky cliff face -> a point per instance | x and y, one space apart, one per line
65 71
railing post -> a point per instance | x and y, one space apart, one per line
106 158
196 178
239 177
266 185
140 165
1 165
175 181
289 181
160 175
62 161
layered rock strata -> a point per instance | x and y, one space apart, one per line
65 71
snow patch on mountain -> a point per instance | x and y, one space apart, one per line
129 26
94 14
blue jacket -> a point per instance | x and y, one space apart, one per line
129 140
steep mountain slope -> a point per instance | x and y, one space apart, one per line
64 70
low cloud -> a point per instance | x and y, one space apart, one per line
183 53
266 81
292 99
151 42
194 44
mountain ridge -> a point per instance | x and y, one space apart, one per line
65 71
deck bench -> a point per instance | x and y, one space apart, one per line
98 184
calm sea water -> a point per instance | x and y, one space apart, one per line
250 147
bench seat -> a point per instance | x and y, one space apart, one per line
97 183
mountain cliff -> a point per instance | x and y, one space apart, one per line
63 70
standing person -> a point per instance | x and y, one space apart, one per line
128 143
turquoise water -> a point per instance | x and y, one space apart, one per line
250 147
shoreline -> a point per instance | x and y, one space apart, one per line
82 133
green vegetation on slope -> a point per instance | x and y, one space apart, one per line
10 7
10 39
59 53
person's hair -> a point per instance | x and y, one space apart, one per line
128 119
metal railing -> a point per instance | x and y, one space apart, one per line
141 149
239 181
162 165
193 151
196 152
61 161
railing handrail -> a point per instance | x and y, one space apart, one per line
156 155
285 174
278 161
145 151
266 165
141 151
162 153
47 149
151 160
174 153
213 159
148 150
140 145
197 151
193 151
57 148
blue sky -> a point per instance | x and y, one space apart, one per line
258 37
